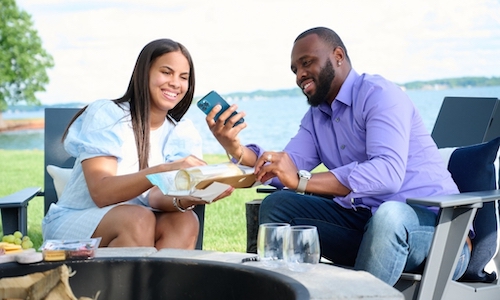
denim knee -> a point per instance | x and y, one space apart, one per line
269 207
389 216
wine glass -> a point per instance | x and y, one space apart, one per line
302 250
270 243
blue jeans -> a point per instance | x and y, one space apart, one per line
395 239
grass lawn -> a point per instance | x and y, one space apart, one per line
225 221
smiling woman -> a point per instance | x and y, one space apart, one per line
117 143
168 84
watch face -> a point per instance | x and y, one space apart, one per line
304 174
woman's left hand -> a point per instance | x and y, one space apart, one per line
224 194
190 200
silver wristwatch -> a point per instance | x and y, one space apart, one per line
304 177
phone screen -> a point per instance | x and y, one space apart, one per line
209 101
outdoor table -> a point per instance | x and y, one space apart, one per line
324 282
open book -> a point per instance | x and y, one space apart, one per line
207 189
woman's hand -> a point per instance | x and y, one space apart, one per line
165 203
190 200
224 194
183 163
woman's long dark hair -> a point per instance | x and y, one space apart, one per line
139 96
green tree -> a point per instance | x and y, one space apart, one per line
23 61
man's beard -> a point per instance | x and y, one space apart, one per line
325 78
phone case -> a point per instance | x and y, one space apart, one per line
209 101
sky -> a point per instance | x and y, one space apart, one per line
245 45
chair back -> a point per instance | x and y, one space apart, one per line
464 121
56 121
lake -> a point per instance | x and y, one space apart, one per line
271 121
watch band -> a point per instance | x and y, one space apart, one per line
304 177
301 188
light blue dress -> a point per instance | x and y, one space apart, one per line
105 129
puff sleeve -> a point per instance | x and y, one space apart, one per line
184 140
98 131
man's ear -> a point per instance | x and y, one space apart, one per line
338 55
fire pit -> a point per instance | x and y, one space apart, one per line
169 278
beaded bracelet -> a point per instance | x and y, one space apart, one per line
177 205
241 156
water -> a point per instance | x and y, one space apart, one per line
22 140
271 121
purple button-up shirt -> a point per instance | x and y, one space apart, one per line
373 140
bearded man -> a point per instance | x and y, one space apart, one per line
370 137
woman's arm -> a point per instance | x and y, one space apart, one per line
106 188
166 203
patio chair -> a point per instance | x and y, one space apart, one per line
473 170
14 207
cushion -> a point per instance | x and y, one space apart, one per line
447 152
473 169
60 176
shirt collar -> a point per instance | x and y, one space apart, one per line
345 93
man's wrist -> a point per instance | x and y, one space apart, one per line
304 177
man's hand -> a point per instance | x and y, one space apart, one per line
223 131
277 164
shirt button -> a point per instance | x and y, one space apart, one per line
342 147
352 200
337 120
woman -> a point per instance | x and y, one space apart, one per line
117 143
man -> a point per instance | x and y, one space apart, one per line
378 153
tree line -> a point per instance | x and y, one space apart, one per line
454 82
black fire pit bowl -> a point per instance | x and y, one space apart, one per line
169 278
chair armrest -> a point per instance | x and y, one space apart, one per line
455 200
20 198
267 190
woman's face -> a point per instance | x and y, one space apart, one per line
168 81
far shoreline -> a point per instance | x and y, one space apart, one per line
22 124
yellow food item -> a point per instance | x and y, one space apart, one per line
10 248
54 255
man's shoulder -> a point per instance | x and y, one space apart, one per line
374 82
373 79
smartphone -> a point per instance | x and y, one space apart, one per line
210 100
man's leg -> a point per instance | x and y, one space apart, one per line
395 232
340 230
397 239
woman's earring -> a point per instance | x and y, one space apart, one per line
339 63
